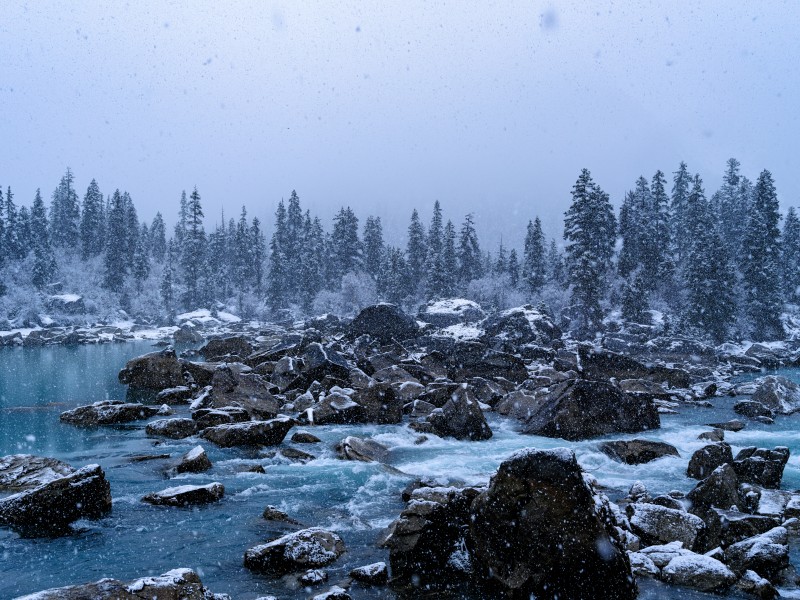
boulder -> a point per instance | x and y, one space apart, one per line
578 409
426 542
637 452
108 412
699 572
522 325
777 393
225 347
211 417
303 437
719 490
336 592
71 304
766 554
385 323
194 461
374 574
285 371
20 472
382 403
355 448
642 566
708 458
176 429
319 362
761 466
450 311
272 513
176 395
48 510
187 495
602 365
473 359
732 425
336 408
540 530
658 524
183 584
727 527
313 577
461 417
715 435
249 391
297 551
250 433
753 584
752 409
155 371
662 554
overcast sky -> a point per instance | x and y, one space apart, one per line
491 108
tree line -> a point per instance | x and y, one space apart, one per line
715 266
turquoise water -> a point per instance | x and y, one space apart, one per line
355 499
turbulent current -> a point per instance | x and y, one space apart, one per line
357 500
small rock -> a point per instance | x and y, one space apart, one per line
313 577
194 461
715 435
355 448
187 495
374 574
272 513
732 425
303 437
637 452
699 572
296 551
108 412
175 429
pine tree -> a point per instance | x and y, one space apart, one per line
193 254
635 300
500 264
158 238
470 264
680 224
24 229
3 251
65 214
141 259
131 226
533 266
556 270
116 259
258 254
373 246
13 243
293 245
345 248
44 263
416 252
277 259
242 253
218 260
449 261
732 208
790 263
513 268
708 276
434 261
762 253
168 279
312 279
590 233
393 281
663 263
92 225
180 226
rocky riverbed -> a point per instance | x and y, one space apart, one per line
284 451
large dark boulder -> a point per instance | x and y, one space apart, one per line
365 450
727 527
579 409
211 417
708 458
603 365
461 417
336 408
245 390
779 394
720 489
637 452
538 530
20 472
183 584
767 554
320 362
656 524
384 322
49 509
176 429
761 466
194 461
381 403
250 433
108 412
450 311
297 551
155 371
522 325
225 347
473 359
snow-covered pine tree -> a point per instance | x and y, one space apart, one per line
709 278
131 225
762 251
790 259
533 265
663 263
180 225
168 279
470 261
218 260
416 252
373 246
65 213
293 245
193 254
393 280
513 268
258 254
679 223
312 278
92 222
3 251
732 208
434 261
44 263
277 259
13 243
243 254
345 250
635 300
449 260
501 262
629 252
24 230
140 269
556 270
158 238
116 258
590 235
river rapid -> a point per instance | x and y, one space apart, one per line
357 500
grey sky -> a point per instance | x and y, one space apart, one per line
491 108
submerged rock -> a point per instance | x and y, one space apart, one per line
49 509
540 530
108 412
20 472
250 433
272 513
356 448
187 495
637 452
308 548
732 425
183 584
